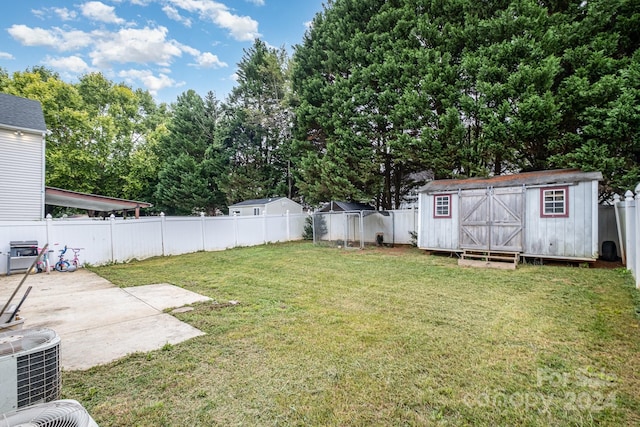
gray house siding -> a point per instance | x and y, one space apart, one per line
22 162
21 176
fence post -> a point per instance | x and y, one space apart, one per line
112 221
235 229
162 231
636 237
630 216
288 226
48 222
617 203
264 226
202 228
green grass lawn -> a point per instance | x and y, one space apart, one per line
328 337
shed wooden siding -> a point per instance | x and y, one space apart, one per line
444 234
505 213
574 236
21 175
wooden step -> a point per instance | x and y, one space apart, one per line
489 259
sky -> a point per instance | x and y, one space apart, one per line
164 46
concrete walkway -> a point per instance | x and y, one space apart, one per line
98 322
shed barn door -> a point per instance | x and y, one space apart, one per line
492 219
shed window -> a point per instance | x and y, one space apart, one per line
256 211
442 206
554 202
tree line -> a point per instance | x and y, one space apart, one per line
378 97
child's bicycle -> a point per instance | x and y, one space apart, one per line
43 264
68 266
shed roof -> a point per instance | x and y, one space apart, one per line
21 113
335 206
257 202
548 177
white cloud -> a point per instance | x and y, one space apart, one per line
208 60
6 55
62 12
73 63
99 11
188 49
39 13
203 59
241 28
149 80
172 13
257 2
56 38
65 14
147 45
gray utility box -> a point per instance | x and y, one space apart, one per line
21 255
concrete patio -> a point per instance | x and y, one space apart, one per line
97 321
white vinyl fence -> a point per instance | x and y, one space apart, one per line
627 214
357 228
119 240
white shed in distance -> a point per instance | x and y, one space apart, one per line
547 214
269 206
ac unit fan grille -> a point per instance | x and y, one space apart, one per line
39 377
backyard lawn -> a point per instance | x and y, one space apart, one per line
382 336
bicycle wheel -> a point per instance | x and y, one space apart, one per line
62 266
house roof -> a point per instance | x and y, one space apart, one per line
72 199
548 177
21 114
257 202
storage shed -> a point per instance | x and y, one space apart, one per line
547 214
22 145
270 206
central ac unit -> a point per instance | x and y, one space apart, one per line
29 368
59 413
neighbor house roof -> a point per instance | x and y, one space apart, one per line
73 199
548 177
257 202
21 114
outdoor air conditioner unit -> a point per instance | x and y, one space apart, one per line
29 368
59 413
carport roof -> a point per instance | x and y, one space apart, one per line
72 199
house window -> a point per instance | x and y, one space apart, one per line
256 211
554 202
442 206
